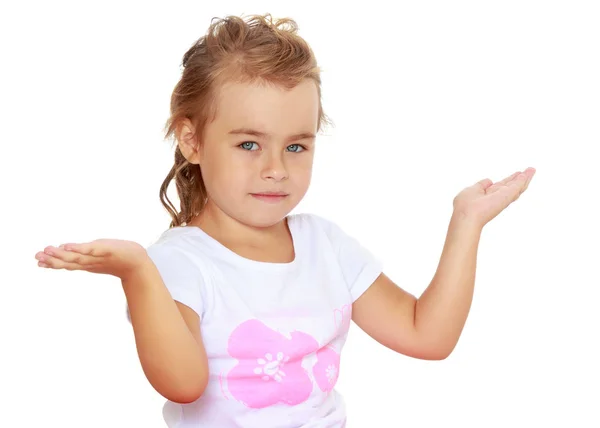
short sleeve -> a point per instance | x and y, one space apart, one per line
359 266
180 274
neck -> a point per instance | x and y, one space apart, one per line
226 229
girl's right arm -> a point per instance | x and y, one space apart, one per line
167 336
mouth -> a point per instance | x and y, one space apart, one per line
270 197
270 194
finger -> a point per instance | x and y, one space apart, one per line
93 248
515 188
530 173
495 187
502 183
520 179
47 261
70 256
510 178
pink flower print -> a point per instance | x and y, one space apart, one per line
272 368
327 369
342 317
269 369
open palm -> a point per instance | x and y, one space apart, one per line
483 201
106 256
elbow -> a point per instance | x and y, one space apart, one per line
431 352
184 393
436 356
435 347
428 355
440 353
184 397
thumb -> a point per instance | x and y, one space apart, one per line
484 184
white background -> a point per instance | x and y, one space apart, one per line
427 98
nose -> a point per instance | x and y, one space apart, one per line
274 168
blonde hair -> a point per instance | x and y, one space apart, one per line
232 50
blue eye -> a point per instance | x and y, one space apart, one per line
295 148
247 145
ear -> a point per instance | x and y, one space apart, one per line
187 141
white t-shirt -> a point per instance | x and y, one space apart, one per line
273 332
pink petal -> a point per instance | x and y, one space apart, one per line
253 339
249 388
326 371
300 345
296 386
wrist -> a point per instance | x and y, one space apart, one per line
137 273
465 225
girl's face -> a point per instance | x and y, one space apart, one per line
257 155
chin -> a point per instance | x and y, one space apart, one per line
263 221
263 218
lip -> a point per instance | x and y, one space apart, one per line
270 197
270 194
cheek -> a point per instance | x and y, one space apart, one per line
302 171
226 178
218 168
222 180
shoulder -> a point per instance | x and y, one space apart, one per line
359 266
344 243
181 263
319 225
174 237
177 248
313 222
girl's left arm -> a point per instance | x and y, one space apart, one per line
428 327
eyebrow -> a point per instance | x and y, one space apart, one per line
248 131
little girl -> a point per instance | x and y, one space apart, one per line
240 310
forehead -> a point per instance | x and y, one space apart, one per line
272 109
